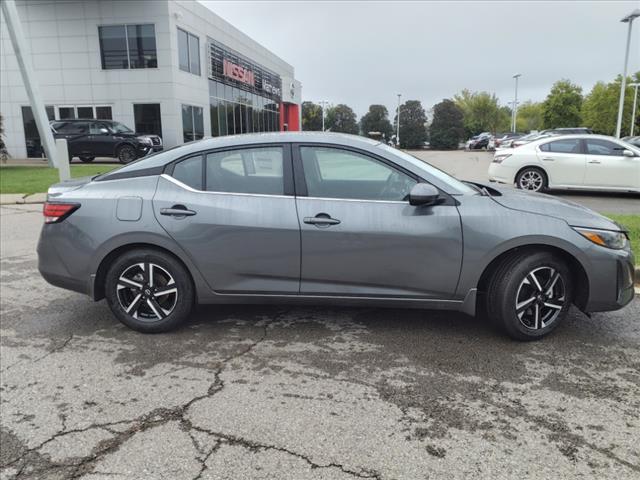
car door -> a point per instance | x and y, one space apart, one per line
234 213
607 166
564 161
360 236
75 133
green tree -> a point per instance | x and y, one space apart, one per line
563 106
482 112
447 127
529 117
311 116
600 107
341 118
3 148
413 119
376 120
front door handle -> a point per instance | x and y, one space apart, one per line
177 211
594 161
321 220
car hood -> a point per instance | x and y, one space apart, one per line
542 204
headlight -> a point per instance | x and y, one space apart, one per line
501 158
145 140
604 238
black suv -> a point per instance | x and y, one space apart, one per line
88 139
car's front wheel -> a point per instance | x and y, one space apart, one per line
149 290
530 294
126 154
532 179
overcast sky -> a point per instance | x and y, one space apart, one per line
361 53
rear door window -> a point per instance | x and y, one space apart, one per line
189 172
567 145
250 170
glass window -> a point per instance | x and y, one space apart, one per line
147 118
71 128
567 145
85 112
97 128
596 146
254 170
113 47
187 123
189 172
231 124
128 46
66 113
213 114
243 117
188 52
249 124
142 46
222 117
183 50
337 173
103 113
31 135
192 123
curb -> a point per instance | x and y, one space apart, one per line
22 199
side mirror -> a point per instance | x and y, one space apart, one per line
423 194
104 131
628 153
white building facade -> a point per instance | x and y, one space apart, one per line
171 68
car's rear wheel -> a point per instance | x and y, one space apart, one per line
532 179
126 154
530 294
149 291
86 159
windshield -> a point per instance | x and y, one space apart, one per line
118 127
436 172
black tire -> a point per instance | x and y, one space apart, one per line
126 154
165 311
532 179
512 285
87 159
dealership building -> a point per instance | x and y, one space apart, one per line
165 67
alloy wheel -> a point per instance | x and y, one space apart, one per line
531 180
126 154
147 292
541 297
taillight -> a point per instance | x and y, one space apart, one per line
57 212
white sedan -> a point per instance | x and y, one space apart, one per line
586 162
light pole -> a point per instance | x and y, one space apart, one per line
398 125
633 110
322 104
515 103
628 19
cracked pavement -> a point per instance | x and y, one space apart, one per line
257 392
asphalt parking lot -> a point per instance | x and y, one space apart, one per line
315 393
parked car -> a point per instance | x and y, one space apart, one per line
635 141
319 218
479 141
88 139
501 138
518 142
592 162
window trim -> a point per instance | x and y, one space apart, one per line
126 38
301 183
189 34
193 121
287 169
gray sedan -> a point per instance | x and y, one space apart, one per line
312 218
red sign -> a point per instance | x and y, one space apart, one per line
237 72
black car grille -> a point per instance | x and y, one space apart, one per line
155 140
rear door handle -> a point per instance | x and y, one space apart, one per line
594 161
549 159
321 220
177 211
